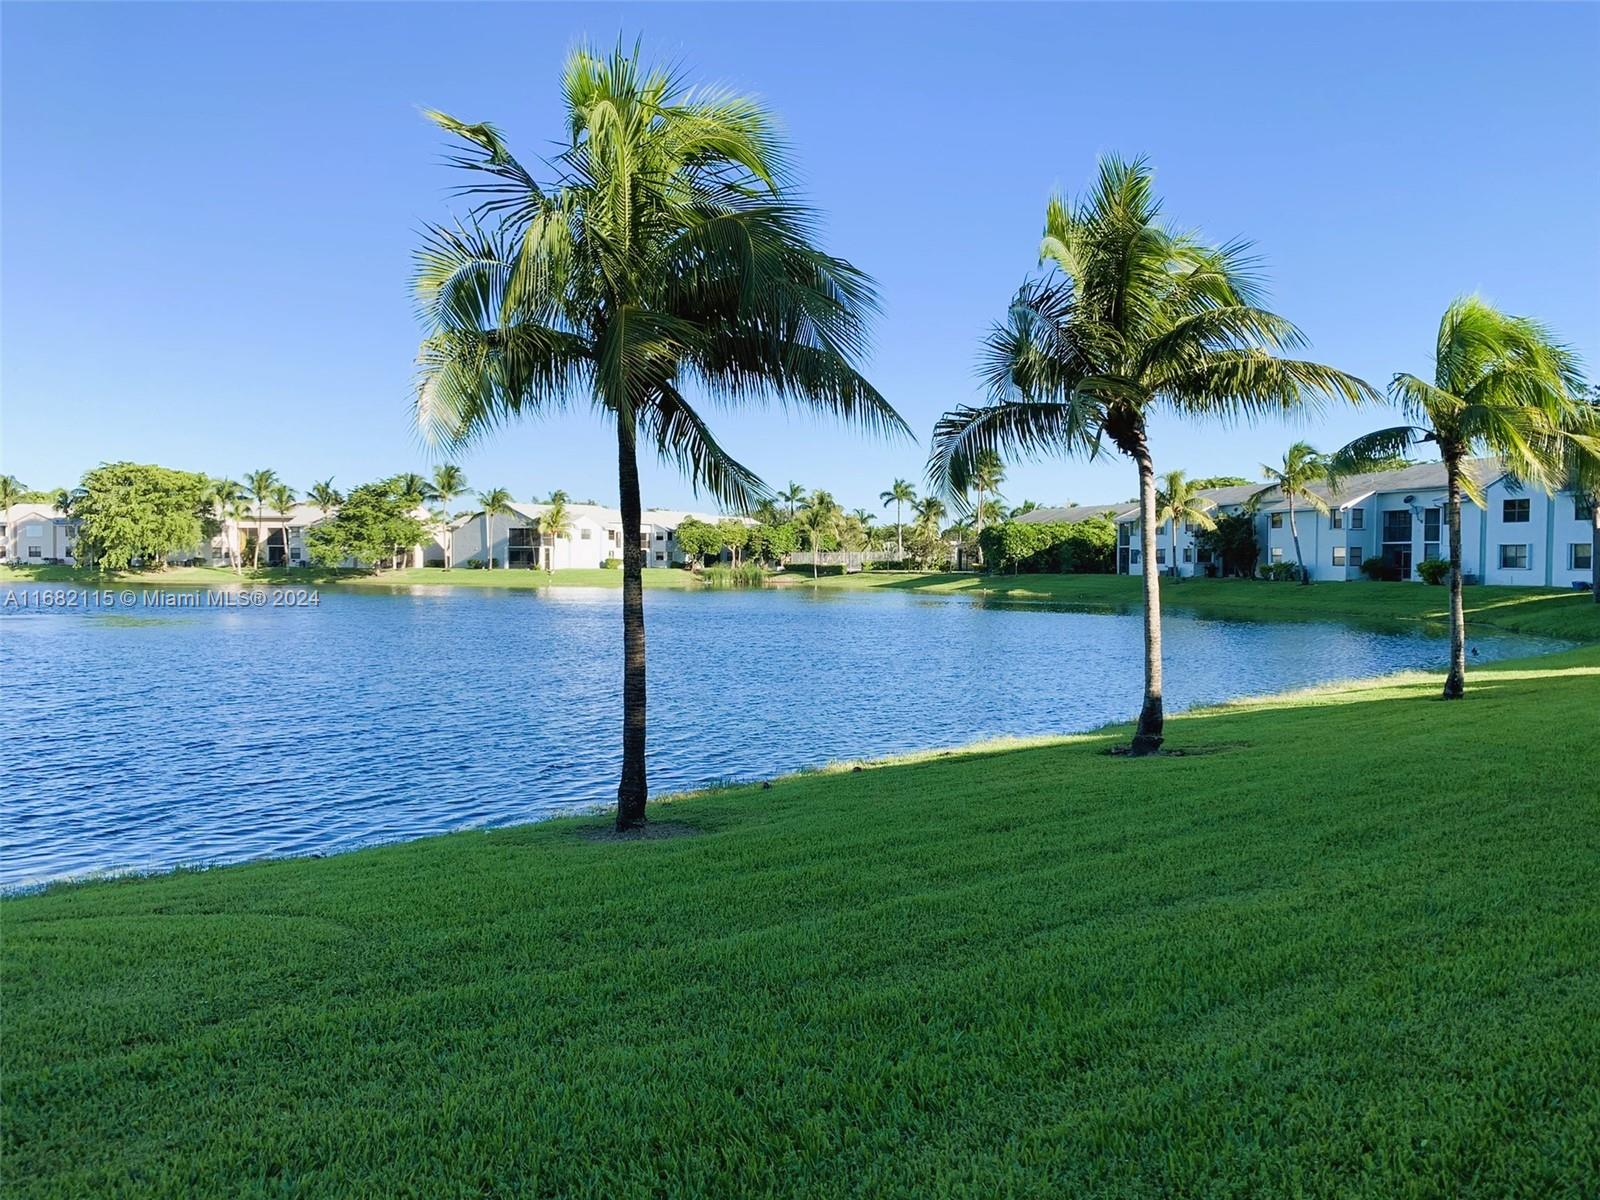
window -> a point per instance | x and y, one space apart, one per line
1277 554
1397 524
1357 556
660 557
67 551
1133 556
1582 510
1358 518
1430 533
1161 557
660 537
1336 519
1276 521
1338 556
1515 512
1205 555
1188 526
584 535
1188 554
1514 557
1580 556
35 552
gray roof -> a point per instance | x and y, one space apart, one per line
1420 477
1073 513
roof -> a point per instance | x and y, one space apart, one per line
33 510
1420 477
1073 513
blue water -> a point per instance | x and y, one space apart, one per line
144 738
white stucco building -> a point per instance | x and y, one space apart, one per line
594 536
1520 536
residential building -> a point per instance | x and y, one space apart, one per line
37 533
594 536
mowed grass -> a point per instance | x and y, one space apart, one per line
1348 948
319 577
1544 612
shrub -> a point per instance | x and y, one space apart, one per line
1056 548
1374 568
1280 572
612 564
1232 544
1432 570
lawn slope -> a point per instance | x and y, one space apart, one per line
1350 950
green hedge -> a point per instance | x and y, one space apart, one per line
1052 548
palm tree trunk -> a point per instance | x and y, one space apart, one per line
632 789
261 533
814 556
1594 547
900 538
1455 683
1294 532
488 543
1177 571
1148 737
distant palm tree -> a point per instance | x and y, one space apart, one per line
793 496
929 514
818 522
221 496
767 513
1501 384
235 513
283 500
495 503
413 487
259 485
11 492
324 495
555 525
988 473
558 496
1302 467
667 250
1134 318
1582 473
1179 500
449 481
900 493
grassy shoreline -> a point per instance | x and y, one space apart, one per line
1346 950
1542 612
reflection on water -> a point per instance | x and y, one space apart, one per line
215 735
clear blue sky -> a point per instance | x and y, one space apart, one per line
209 209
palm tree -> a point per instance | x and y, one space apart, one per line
1582 472
1132 318
412 487
793 496
1501 385
282 499
988 473
221 497
818 521
11 492
324 495
667 249
495 503
449 481
929 514
900 493
259 484
1178 499
236 512
555 525
1302 467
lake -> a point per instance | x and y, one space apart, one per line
146 738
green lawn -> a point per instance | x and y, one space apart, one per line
1544 612
1349 950
318 577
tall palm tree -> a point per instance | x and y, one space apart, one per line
282 499
1178 500
555 525
324 495
413 487
900 493
495 503
1581 470
220 498
666 249
449 481
1501 385
1302 467
928 514
1132 318
793 495
259 485
818 521
236 512
988 473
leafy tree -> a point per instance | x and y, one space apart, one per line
1231 543
900 493
1302 468
1501 384
1178 502
735 535
1056 547
1134 318
698 540
494 503
260 484
11 492
771 542
1018 510
1207 482
668 248
132 513
376 524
